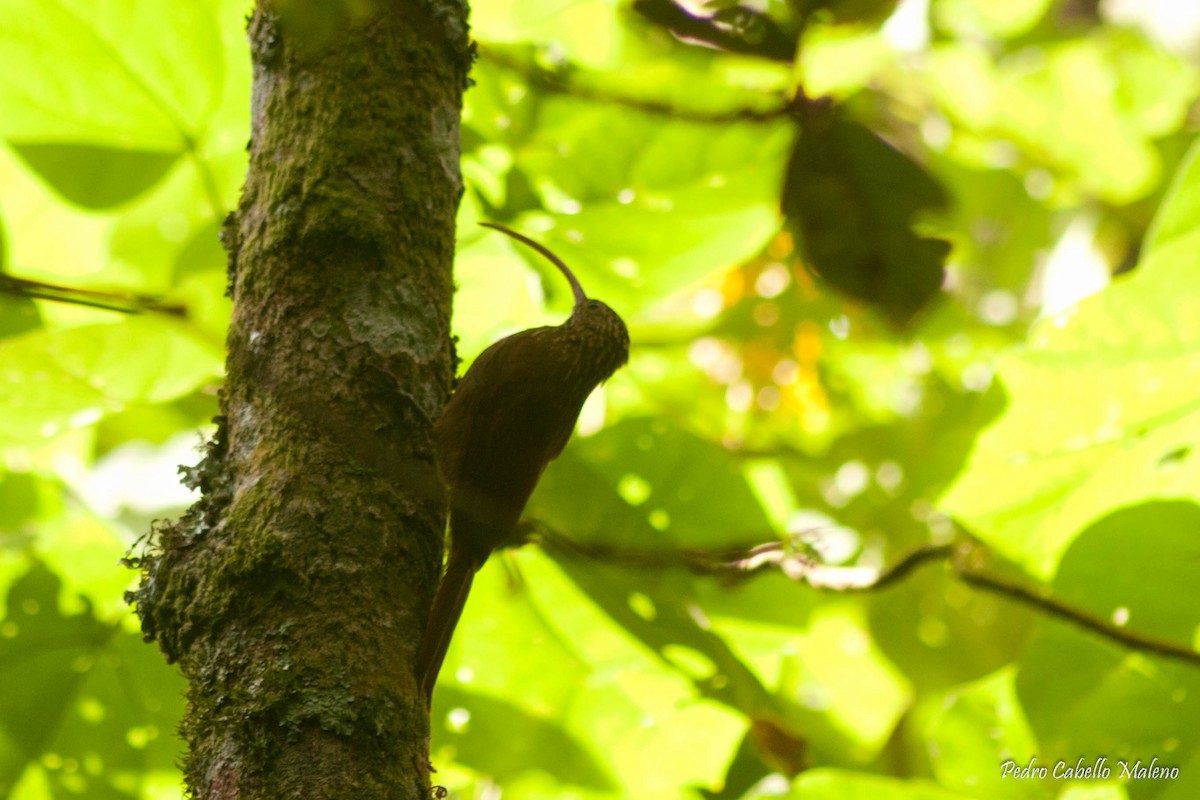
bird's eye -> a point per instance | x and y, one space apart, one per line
594 304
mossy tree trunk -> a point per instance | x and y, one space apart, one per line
293 594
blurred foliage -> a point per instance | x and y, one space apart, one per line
720 174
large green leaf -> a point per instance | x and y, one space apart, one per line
86 703
498 739
95 176
972 18
1179 216
122 73
1102 405
53 380
1083 695
977 731
665 488
942 634
831 784
689 493
617 180
528 625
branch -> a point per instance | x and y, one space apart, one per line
1132 639
758 35
740 563
108 301
555 82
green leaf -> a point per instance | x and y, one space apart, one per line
19 500
126 74
624 259
95 177
656 485
659 608
1084 695
972 18
1102 407
839 668
52 380
1065 110
685 493
95 704
528 625
616 181
590 31
501 740
1156 539
941 633
851 200
976 731
1180 210
17 315
833 784
1002 230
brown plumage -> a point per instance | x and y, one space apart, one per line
511 414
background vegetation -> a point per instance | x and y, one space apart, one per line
1051 414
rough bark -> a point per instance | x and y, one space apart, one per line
293 594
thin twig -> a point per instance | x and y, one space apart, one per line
769 41
553 82
91 298
1078 617
742 562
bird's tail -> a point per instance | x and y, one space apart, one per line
443 618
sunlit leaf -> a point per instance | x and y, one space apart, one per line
654 486
93 176
979 732
1064 110
17 315
999 18
131 76
498 739
1102 407
1178 218
589 29
95 707
633 176
944 634
53 380
830 784
1085 695
529 625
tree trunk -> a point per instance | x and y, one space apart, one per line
294 593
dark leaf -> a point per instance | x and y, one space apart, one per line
857 12
851 200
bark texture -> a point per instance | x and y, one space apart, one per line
294 593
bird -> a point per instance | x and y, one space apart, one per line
511 414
